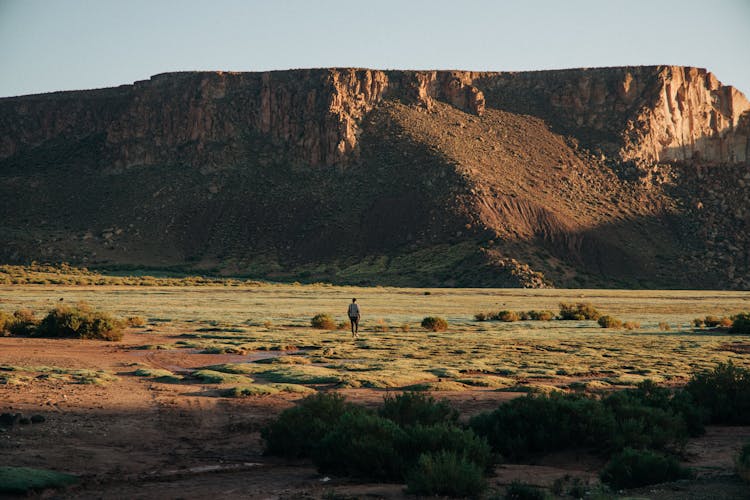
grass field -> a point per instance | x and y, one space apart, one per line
394 351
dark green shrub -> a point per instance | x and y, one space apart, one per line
698 322
633 468
298 430
534 424
541 315
411 408
420 439
79 322
362 445
741 324
743 463
580 311
323 322
522 491
480 316
724 393
609 322
507 316
446 473
434 323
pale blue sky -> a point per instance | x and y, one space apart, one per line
48 45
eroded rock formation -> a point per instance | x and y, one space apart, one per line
567 172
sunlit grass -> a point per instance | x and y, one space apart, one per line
394 351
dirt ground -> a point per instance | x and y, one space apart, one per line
136 438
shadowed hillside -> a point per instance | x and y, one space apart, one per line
614 177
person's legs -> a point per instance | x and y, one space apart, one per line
356 325
353 322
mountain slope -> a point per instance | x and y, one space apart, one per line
604 177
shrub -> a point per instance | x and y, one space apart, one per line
631 325
435 324
726 322
135 321
22 323
664 326
698 322
323 322
411 408
724 393
420 439
446 473
522 491
5 321
711 321
741 324
362 445
507 316
533 424
609 322
743 463
481 316
296 431
541 315
579 311
79 322
633 468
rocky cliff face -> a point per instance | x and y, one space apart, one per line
515 172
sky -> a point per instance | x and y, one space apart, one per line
49 45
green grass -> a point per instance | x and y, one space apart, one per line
20 480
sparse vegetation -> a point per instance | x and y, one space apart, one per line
631 325
323 321
523 491
435 324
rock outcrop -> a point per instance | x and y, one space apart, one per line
590 176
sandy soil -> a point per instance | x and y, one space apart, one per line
135 438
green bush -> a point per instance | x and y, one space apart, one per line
298 430
743 463
741 324
609 322
323 322
79 322
420 439
362 445
532 424
634 468
522 491
446 473
507 316
724 392
580 311
412 408
435 324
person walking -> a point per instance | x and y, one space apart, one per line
354 315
